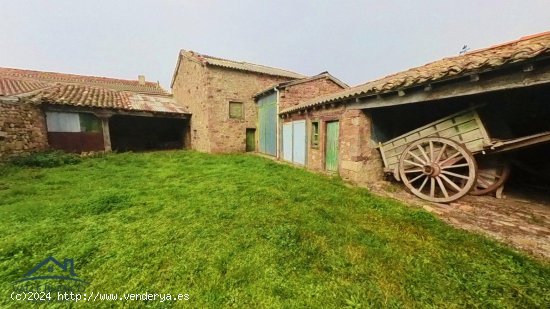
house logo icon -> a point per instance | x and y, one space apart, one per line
50 275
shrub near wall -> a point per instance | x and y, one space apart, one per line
22 129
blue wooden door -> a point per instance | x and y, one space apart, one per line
287 141
299 142
267 122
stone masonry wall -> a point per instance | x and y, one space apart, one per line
22 129
316 156
359 161
295 94
224 86
190 89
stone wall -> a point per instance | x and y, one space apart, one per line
206 91
224 86
316 156
359 160
190 89
295 94
22 129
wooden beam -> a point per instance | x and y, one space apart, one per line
106 134
516 80
99 111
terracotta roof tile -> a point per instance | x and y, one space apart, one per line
112 83
98 97
242 66
481 60
80 95
282 85
10 87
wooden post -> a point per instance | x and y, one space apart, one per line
104 116
106 135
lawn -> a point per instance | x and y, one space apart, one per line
244 231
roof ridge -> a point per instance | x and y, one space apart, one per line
521 39
54 77
493 57
524 38
282 72
78 75
241 62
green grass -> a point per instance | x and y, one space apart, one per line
243 231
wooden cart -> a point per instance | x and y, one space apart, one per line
448 158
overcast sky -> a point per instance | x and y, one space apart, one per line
356 41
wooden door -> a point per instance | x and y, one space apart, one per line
299 142
331 146
250 139
287 141
267 122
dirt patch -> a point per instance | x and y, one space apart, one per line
520 220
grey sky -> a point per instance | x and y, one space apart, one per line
356 41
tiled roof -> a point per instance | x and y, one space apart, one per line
86 96
156 104
282 85
473 62
86 91
111 83
99 97
10 87
240 65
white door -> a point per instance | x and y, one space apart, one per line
299 142
287 141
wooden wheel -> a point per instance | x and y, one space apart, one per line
437 169
492 172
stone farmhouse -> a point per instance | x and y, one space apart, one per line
41 110
219 105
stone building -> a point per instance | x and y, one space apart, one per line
42 110
509 84
279 97
219 93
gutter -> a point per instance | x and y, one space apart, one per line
278 131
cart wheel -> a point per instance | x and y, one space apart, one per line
437 169
492 172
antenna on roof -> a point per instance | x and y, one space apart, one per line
464 50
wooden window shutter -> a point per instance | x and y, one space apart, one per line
236 110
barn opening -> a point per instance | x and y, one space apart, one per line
507 115
141 133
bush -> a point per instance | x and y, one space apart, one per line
46 159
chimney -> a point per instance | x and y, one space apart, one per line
141 79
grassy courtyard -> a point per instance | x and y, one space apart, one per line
243 231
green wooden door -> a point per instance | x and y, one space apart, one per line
250 139
267 122
331 146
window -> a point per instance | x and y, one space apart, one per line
236 110
72 122
315 134
62 122
89 123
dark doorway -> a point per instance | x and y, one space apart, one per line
250 140
134 133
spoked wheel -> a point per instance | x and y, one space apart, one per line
492 172
437 169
